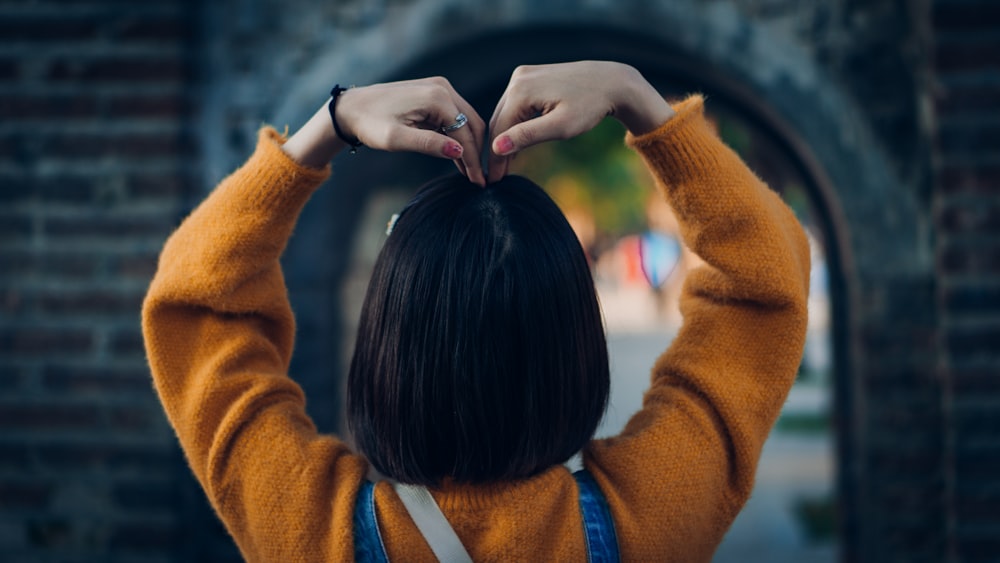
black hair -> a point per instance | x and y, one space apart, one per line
481 353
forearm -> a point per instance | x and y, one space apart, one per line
717 390
219 293
641 108
745 309
315 143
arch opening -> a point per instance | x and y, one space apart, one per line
481 78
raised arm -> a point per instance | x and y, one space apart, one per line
219 329
684 465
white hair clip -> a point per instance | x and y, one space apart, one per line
392 223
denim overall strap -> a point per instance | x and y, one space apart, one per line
599 529
368 546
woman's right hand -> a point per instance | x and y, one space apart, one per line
560 101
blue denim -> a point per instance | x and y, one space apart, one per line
368 546
599 529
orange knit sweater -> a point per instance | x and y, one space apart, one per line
219 333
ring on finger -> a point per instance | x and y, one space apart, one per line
460 121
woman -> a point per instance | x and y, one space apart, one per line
444 391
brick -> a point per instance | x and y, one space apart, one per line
15 189
13 377
40 342
24 494
898 341
137 419
910 419
975 53
958 257
50 532
145 495
907 498
982 298
891 463
977 425
48 416
983 547
102 381
9 69
982 15
971 216
47 106
975 340
21 265
15 456
135 266
13 302
144 536
968 179
108 226
967 100
175 185
15 226
76 146
976 463
149 459
128 343
164 107
974 380
121 69
160 29
37 29
93 303
977 502
969 137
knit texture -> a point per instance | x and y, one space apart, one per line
219 332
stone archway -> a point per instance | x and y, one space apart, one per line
873 235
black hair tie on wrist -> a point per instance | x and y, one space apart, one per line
337 90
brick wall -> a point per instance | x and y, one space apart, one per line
96 162
967 218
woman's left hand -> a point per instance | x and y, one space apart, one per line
397 116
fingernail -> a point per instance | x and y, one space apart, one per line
504 145
453 150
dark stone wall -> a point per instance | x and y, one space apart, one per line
117 117
966 207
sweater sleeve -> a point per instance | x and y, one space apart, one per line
219 331
684 465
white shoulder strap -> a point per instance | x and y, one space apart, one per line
432 524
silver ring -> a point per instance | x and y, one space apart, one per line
460 121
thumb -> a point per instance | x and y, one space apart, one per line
424 141
548 127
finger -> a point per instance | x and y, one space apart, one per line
497 164
471 138
556 124
471 144
424 141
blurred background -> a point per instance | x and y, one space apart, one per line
876 120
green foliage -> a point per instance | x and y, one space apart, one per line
817 516
594 172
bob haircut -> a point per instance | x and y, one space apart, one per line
481 353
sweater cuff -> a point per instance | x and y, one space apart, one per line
277 174
684 146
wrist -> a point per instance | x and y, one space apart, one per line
642 109
340 127
316 143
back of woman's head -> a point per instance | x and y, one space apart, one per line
480 354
